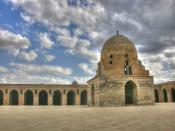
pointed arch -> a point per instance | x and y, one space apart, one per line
156 95
43 98
130 93
71 98
173 94
28 97
13 97
57 98
1 97
165 95
93 95
84 97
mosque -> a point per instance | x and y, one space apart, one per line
121 79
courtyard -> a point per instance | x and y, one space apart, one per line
160 117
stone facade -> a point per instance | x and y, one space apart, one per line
120 78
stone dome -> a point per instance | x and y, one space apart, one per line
119 44
118 53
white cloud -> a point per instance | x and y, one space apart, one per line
27 18
3 69
45 40
28 56
12 40
49 57
67 41
26 78
85 68
34 69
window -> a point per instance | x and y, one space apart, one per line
6 91
125 70
21 91
64 91
110 62
111 56
127 62
50 92
130 70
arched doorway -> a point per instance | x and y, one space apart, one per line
156 94
84 97
93 95
130 93
165 96
57 98
173 94
43 98
1 98
13 100
71 98
28 98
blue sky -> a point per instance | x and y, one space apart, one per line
60 41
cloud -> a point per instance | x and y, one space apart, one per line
3 69
27 18
27 78
28 56
44 69
85 68
45 40
49 58
12 40
67 41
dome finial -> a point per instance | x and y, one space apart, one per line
117 32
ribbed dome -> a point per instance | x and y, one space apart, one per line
118 42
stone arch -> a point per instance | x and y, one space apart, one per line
156 95
71 98
43 97
173 94
165 95
130 93
84 97
13 97
57 98
93 95
28 97
1 97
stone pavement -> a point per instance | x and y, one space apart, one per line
160 117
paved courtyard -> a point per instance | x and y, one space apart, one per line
160 117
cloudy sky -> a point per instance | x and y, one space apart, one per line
58 41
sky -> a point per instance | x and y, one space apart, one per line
59 41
